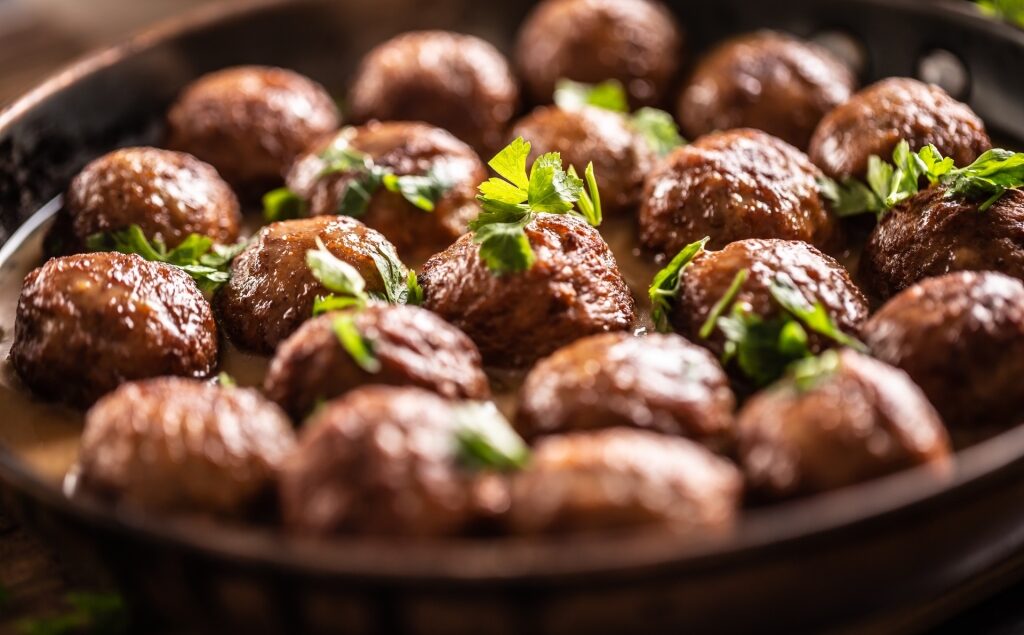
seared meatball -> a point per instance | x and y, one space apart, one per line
621 156
818 277
169 195
88 323
932 234
961 338
574 289
414 347
765 80
180 445
858 420
251 122
730 186
621 477
457 82
658 382
404 149
634 41
271 290
877 118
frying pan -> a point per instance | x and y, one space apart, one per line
889 555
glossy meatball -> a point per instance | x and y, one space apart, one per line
413 345
657 382
456 82
634 41
932 234
857 420
404 149
765 80
818 277
960 337
271 290
251 122
880 116
169 195
180 445
574 289
88 323
731 186
621 477
621 156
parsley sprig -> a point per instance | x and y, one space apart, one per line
664 288
485 440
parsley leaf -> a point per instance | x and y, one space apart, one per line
807 373
723 303
334 273
393 273
510 163
348 287
1009 10
414 293
282 204
485 440
358 346
608 95
505 247
813 316
590 198
659 130
664 287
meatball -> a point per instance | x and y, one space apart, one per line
180 445
90 322
817 276
251 122
271 290
658 382
621 156
404 149
636 42
169 195
877 118
574 289
932 234
851 420
765 80
457 82
961 338
731 186
621 477
414 347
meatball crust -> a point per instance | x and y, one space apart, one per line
859 421
731 186
764 80
878 117
271 290
818 277
658 382
413 345
622 477
930 235
405 149
960 337
180 445
636 42
574 289
251 122
621 156
169 195
87 323
456 82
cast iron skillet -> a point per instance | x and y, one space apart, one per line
849 557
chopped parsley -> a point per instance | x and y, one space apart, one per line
358 346
485 440
664 288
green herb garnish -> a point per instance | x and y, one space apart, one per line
659 130
664 288
1009 10
485 440
813 316
225 380
358 346
348 287
808 373
96 613
283 204
723 303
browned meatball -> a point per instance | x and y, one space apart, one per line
857 420
658 382
250 122
961 338
877 118
457 82
621 157
271 290
404 149
634 41
731 186
413 345
88 323
180 445
932 234
765 80
574 289
621 477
